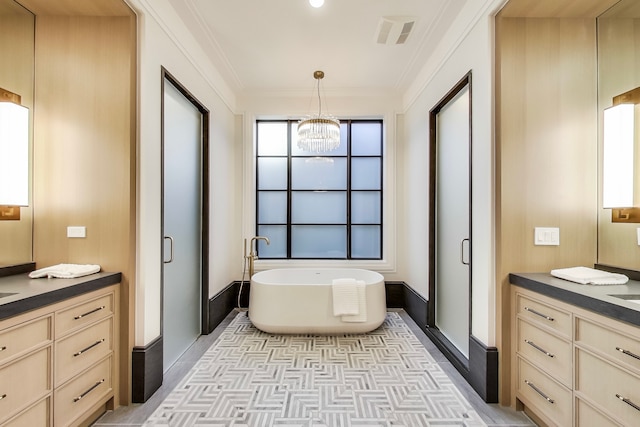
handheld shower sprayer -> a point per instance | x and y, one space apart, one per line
249 258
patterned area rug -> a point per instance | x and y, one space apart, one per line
249 378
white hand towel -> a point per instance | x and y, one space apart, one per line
362 304
345 297
65 271
590 276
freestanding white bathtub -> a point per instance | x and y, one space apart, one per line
300 301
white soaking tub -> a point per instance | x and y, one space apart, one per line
300 301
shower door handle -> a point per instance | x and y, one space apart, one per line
462 251
171 251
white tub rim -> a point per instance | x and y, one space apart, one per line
278 276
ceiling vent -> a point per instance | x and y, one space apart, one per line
394 29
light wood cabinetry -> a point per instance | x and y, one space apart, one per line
607 367
574 367
58 363
543 363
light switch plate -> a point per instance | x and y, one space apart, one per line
76 232
546 236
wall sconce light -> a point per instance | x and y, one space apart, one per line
14 154
619 189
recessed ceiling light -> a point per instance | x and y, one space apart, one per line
316 3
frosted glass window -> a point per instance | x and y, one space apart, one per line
272 173
319 205
277 247
272 138
272 207
366 139
365 207
318 241
309 207
318 173
340 151
365 173
365 241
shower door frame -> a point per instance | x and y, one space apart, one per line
204 208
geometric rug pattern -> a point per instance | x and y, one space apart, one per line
249 378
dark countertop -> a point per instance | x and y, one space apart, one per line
595 298
30 293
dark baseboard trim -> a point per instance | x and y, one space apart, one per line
222 304
415 306
394 292
146 370
483 370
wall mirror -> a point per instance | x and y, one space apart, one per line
618 72
17 76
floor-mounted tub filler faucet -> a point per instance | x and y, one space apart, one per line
253 251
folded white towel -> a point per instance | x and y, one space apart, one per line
362 304
590 276
65 271
345 297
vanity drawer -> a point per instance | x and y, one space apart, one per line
606 386
24 381
587 416
38 415
549 352
545 314
77 352
80 395
620 348
18 340
83 314
550 398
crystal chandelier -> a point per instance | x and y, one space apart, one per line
318 133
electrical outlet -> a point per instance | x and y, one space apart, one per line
638 232
546 236
76 232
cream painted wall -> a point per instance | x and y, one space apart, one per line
164 41
473 51
352 105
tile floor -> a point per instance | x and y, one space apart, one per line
136 414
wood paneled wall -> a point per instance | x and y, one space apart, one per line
546 148
84 151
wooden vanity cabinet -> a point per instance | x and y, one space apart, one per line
607 369
574 367
543 365
58 363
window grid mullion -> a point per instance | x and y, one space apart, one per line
289 192
349 191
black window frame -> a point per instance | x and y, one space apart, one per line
291 125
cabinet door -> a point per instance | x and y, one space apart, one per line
25 381
80 395
615 390
37 415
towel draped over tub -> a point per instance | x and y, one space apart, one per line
349 300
